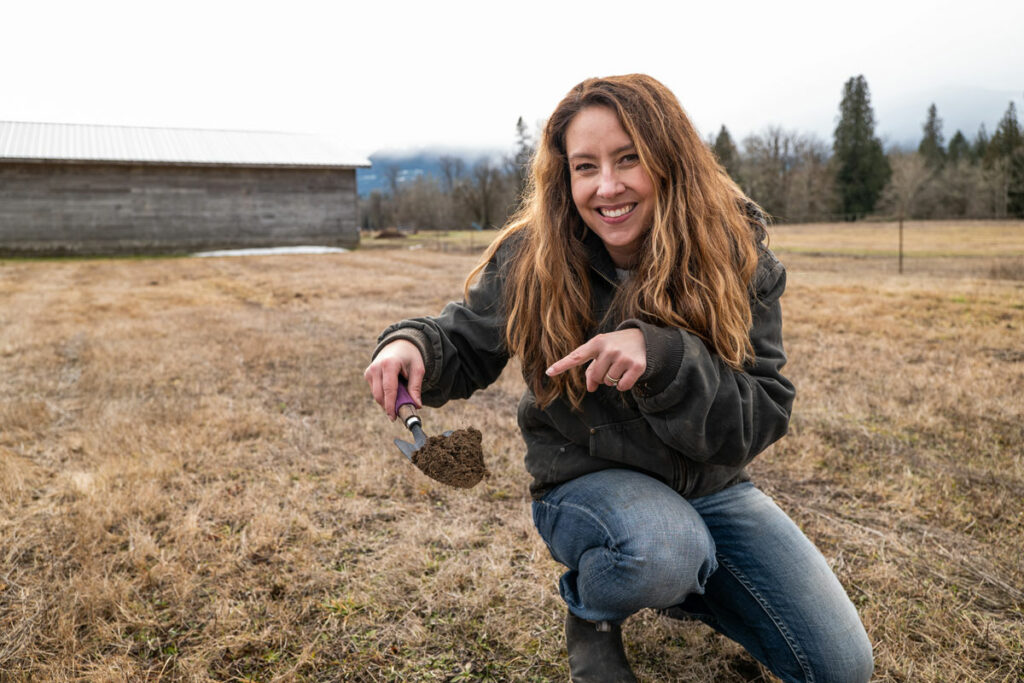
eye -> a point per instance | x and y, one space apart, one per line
583 167
629 159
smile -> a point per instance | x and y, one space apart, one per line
617 211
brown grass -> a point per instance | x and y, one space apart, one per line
195 484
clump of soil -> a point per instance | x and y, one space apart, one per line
456 460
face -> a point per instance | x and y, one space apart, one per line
611 190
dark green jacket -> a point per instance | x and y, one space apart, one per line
690 421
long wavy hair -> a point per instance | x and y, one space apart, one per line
696 262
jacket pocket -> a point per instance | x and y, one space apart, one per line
634 443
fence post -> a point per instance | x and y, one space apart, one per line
901 243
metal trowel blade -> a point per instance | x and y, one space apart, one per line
407 448
421 439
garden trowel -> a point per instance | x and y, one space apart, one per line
406 410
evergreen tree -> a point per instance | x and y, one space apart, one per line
1007 138
931 147
979 149
959 148
727 154
955 187
524 144
524 154
861 167
1007 150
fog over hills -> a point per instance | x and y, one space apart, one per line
898 123
413 163
899 116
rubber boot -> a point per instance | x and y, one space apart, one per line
596 654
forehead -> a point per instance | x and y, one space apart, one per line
594 129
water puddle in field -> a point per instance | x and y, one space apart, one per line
272 250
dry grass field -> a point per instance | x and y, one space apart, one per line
195 484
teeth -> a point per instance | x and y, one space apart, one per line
615 213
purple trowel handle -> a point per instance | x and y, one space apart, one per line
405 407
403 396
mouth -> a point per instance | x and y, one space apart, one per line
616 211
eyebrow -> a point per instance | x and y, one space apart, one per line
618 150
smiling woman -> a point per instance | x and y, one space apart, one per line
636 290
612 191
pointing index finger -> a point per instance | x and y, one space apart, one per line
578 356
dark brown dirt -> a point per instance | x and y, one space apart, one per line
456 460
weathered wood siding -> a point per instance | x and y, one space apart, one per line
86 208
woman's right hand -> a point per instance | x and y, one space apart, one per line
399 358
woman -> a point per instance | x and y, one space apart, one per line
636 290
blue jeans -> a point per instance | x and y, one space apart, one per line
732 559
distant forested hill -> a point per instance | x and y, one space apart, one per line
408 165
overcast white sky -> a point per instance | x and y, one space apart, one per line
402 74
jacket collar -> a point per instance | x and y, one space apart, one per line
600 260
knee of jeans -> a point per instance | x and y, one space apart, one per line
667 570
851 661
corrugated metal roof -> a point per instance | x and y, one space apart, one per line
123 144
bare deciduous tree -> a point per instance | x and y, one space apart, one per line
482 194
452 170
788 174
910 172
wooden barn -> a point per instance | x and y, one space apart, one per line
85 189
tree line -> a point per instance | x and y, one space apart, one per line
795 177
482 194
799 178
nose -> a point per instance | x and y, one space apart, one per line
609 184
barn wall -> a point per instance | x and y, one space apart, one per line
48 208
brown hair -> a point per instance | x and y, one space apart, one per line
696 263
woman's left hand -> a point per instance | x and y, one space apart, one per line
619 359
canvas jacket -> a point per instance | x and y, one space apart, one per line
690 420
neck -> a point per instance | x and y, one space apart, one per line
624 259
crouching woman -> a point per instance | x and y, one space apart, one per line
637 292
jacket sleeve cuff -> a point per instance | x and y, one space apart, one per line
409 334
665 352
